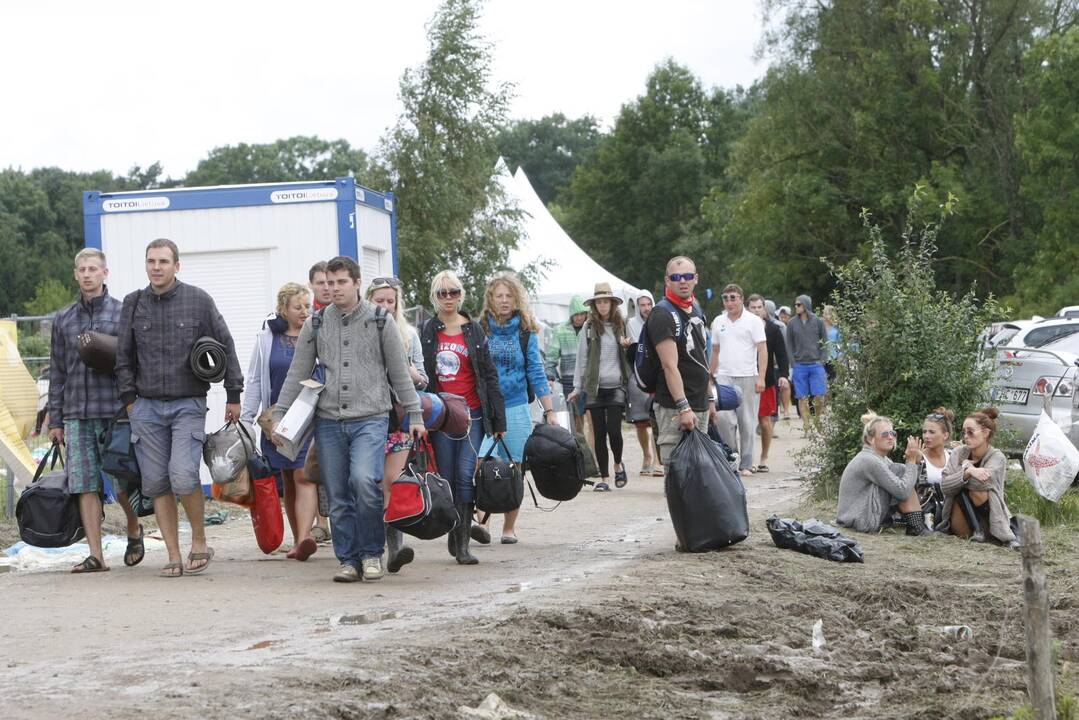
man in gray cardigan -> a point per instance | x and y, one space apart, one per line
352 417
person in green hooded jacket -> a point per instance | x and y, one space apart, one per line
562 357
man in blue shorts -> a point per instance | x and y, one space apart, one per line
166 401
808 342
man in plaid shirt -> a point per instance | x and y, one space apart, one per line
166 401
82 403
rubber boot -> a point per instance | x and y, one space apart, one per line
967 507
462 530
397 553
915 522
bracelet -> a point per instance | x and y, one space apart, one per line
681 405
547 412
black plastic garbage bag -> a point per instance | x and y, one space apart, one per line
813 538
705 496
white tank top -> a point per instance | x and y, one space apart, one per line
933 473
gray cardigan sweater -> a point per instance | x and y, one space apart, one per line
356 385
952 482
869 487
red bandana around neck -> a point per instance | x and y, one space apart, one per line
686 305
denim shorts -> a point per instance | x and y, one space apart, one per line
168 437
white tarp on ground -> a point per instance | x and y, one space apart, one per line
570 270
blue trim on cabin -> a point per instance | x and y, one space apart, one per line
393 233
91 222
347 232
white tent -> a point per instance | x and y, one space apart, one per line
569 270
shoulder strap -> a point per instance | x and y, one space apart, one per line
523 336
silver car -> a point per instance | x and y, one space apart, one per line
1026 380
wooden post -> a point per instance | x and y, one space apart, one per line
1036 621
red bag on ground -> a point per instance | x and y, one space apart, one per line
266 515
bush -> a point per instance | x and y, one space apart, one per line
905 348
1022 498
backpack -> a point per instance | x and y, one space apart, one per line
555 461
646 364
48 516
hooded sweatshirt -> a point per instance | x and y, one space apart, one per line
562 347
515 374
808 340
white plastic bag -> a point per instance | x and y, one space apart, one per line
1051 461
227 451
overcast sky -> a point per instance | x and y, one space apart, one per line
108 85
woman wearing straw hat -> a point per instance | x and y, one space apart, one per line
602 374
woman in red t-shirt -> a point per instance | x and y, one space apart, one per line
457 361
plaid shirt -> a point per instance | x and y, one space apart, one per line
157 333
76 391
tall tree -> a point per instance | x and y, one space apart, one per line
549 149
287 160
631 201
31 249
442 153
1048 139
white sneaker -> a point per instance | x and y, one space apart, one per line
346 574
371 568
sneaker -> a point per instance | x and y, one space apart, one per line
601 487
372 568
347 574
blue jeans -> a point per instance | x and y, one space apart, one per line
351 455
456 458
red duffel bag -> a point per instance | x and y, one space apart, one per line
266 514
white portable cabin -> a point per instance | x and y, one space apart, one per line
241 243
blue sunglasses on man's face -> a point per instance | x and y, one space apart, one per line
679 277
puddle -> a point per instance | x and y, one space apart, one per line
519 587
365 618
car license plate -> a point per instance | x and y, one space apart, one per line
1012 396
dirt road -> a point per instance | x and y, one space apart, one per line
591 615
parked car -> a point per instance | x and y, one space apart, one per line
1026 380
1036 332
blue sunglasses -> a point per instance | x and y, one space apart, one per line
678 277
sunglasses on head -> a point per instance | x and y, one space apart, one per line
731 296
450 293
386 282
888 434
681 277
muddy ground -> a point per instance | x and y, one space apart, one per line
592 615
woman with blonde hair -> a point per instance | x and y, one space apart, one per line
973 485
872 486
386 293
514 346
274 347
457 359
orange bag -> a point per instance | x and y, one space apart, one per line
266 515
239 491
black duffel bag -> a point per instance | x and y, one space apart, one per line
421 502
555 461
48 516
705 496
118 451
500 486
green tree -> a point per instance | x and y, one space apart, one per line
630 202
907 346
49 296
30 247
451 213
1048 140
287 160
863 100
549 150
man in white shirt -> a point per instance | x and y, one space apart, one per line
739 358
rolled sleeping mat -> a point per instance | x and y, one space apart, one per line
98 351
208 359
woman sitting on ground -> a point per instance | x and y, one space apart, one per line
873 486
973 485
936 435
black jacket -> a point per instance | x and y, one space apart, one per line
777 354
494 410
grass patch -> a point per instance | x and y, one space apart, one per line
1067 709
1022 498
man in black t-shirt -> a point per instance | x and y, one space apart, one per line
683 395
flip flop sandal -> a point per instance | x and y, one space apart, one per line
195 557
620 479
136 550
172 570
761 469
89 565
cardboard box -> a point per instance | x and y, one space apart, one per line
298 424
